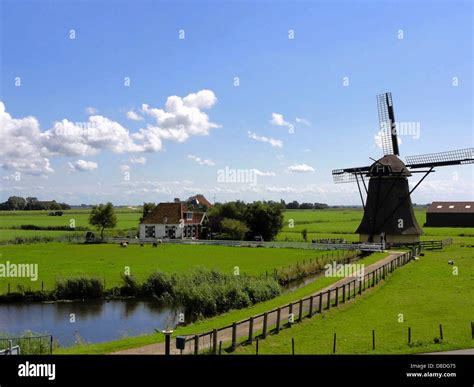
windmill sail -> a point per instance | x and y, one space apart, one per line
388 131
455 157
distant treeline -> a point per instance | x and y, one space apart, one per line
15 203
294 205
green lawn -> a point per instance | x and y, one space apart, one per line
341 223
61 260
425 292
127 219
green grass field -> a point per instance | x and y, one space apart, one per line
330 223
61 260
341 223
424 292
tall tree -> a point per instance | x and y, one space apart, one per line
103 216
147 208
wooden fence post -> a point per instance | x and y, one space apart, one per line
337 296
373 339
300 317
220 347
360 286
334 344
278 320
196 344
472 329
214 342
293 345
409 335
265 322
440 331
328 299
290 312
344 293
256 348
251 329
321 303
311 306
234 336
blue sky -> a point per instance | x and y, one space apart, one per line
180 151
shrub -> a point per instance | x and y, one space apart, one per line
79 288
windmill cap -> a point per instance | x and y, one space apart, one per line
388 165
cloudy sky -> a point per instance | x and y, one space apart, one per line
136 101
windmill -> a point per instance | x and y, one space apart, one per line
388 210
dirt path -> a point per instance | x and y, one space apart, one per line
243 329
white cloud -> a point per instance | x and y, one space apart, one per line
138 160
125 168
87 138
303 121
260 173
82 166
203 99
201 161
91 110
278 120
21 148
26 149
131 115
272 141
300 168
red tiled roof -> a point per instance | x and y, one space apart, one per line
171 213
164 213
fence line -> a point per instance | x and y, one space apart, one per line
313 304
34 345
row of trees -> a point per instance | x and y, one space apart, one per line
239 220
15 203
294 205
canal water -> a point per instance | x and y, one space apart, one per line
90 321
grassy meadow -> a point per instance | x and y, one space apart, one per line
108 261
420 295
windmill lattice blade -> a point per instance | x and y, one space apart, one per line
455 157
386 122
347 175
339 176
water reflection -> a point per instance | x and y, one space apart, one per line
87 321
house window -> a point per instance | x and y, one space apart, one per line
468 206
189 216
451 206
170 232
149 231
439 206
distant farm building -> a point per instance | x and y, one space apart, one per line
173 221
450 214
199 200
